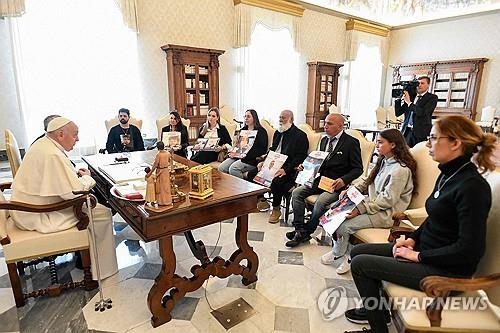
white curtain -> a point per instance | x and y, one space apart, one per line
268 73
366 57
11 8
128 9
246 17
75 58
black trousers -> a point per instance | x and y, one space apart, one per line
373 263
279 186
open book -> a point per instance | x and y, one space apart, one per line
244 144
311 165
333 218
206 144
171 139
274 161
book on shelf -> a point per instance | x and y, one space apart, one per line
245 142
273 162
192 132
202 99
311 166
202 70
171 139
189 69
203 110
189 111
333 218
206 144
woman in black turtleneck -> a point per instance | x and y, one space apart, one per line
452 239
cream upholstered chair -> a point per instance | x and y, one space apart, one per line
227 119
427 174
314 139
488 121
165 121
487 277
13 153
20 245
367 149
114 121
381 117
392 120
270 131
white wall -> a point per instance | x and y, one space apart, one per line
10 116
474 37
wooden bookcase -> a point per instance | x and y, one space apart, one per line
455 82
322 91
193 82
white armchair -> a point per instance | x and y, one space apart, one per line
21 245
488 122
165 121
12 149
114 121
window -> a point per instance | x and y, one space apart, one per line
270 70
363 84
79 61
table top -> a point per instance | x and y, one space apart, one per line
232 197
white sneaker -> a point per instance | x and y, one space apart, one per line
345 266
328 258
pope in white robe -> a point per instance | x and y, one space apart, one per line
47 176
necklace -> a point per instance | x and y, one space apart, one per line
125 130
440 186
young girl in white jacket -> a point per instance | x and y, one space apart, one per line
389 189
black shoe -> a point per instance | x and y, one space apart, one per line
290 234
360 316
78 261
297 239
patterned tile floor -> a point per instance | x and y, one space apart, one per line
284 297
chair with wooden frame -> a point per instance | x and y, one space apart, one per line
486 282
20 246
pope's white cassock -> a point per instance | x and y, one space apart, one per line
47 176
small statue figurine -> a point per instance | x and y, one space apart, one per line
150 187
162 165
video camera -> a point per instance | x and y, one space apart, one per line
409 86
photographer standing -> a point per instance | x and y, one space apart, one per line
418 112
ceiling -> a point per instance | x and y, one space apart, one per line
394 13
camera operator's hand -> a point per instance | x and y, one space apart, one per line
406 97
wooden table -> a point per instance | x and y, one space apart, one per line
233 197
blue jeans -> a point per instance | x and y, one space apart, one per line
235 167
299 196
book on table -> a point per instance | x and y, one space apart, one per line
245 142
311 165
120 173
273 162
333 218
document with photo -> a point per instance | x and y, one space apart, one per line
311 165
333 218
206 144
171 139
244 144
273 162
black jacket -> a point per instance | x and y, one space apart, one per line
294 145
184 139
422 114
205 157
114 143
343 162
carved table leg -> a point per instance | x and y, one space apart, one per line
163 282
250 272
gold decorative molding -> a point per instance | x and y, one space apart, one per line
371 28
281 6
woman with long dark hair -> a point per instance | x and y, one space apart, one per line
452 239
176 125
238 166
389 189
212 128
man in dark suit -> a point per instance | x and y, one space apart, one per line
288 140
343 164
418 112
